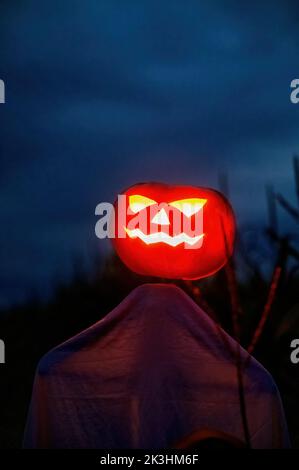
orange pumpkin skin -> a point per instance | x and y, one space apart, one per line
177 261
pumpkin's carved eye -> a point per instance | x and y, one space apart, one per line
137 203
189 207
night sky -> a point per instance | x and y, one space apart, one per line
103 94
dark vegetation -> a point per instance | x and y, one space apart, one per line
262 310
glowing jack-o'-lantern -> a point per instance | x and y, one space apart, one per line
176 232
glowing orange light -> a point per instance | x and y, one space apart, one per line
162 237
156 245
189 207
138 203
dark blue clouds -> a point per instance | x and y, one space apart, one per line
101 94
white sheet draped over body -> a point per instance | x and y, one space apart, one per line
154 370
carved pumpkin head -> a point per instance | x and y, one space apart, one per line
175 232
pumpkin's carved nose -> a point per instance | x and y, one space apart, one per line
161 218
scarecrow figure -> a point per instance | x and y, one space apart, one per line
157 368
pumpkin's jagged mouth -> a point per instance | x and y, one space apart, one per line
162 237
